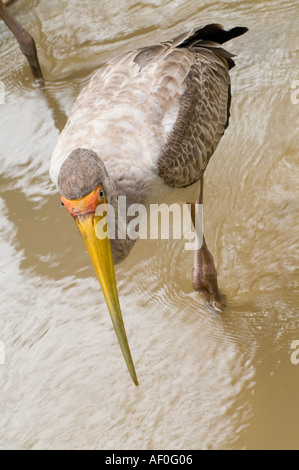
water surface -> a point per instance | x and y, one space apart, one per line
206 381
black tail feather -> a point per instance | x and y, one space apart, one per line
212 32
210 37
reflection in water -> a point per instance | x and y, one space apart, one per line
207 381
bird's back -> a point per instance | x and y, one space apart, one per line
155 114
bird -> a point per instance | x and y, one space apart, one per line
145 127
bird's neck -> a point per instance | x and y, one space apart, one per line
122 198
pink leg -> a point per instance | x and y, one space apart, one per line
204 274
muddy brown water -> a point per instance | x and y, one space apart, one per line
207 381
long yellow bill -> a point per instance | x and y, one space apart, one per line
100 253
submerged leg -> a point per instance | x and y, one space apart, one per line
204 274
25 40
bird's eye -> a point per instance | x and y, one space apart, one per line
101 194
62 204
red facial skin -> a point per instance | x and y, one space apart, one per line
83 206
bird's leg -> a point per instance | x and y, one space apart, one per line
204 274
25 40
8 2
27 45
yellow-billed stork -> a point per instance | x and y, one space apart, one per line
145 127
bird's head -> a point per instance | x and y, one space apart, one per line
84 186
